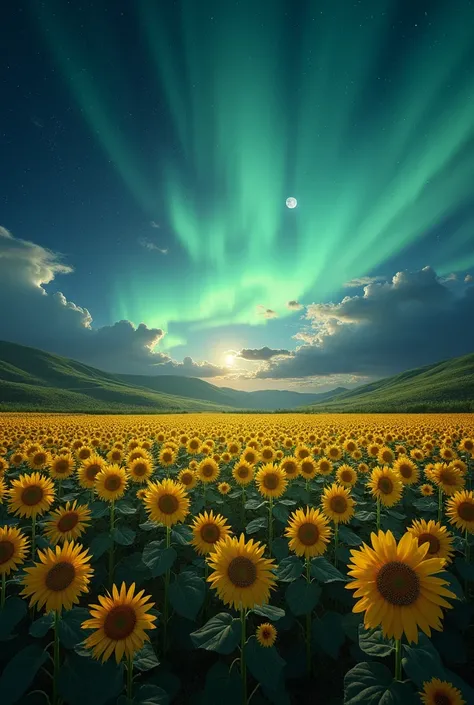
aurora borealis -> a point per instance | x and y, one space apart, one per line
204 117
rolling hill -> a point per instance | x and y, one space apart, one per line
444 386
33 380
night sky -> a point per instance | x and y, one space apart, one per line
147 150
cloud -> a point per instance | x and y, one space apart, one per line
413 320
148 245
261 353
154 224
266 312
363 281
468 278
294 305
29 315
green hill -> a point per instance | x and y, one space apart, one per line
33 380
444 386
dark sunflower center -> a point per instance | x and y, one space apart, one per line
116 455
120 622
440 698
249 457
398 584
290 468
92 471
468 445
385 485
266 633
39 459
307 468
270 481
112 483
210 533
60 576
187 478
405 471
32 495
303 454
308 534
167 457
194 445
7 550
207 470
267 453
242 572
68 521
243 472
447 477
61 466
168 504
346 476
140 469
466 511
434 543
84 453
338 504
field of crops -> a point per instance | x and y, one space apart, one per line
229 559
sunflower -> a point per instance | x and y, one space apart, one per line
460 510
436 692
167 457
385 486
88 471
120 623
346 476
83 453
448 478
406 470
324 466
110 482
290 465
267 454
188 478
60 578
166 502
363 468
13 549
67 523
436 535
337 504
3 466
208 529
427 490
467 445
240 574
17 458
31 495
193 445
397 587
62 466
242 472
224 487
39 460
385 456
141 494
266 634
140 470
334 453
309 532
250 455
308 468
208 470
115 456
271 480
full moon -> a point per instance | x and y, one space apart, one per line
291 202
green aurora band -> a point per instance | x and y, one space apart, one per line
259 116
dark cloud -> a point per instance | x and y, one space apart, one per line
31 316
414 320
363 281
261 353
294 305
266 312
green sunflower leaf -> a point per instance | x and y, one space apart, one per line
302 597
270 612
146 658
256 525
123 535
158 559
187 593
289 569
373 643
328 633
70 631
373 684
19 673
325 572
264 663
221 633
12 613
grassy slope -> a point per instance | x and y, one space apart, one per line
444 386
34 380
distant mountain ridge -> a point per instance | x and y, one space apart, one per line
443 386
34 380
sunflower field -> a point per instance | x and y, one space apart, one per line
231 559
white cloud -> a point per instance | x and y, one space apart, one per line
411 321
363 281
294 305
29 315
154 224
148 245
468 278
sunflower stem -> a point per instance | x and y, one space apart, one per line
243 665
467 547
243 507
4 590
336 541
398 659
308 623
165 606
111 550
270 525
129 677
33 536
56 657
440 503
378 515
204 488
